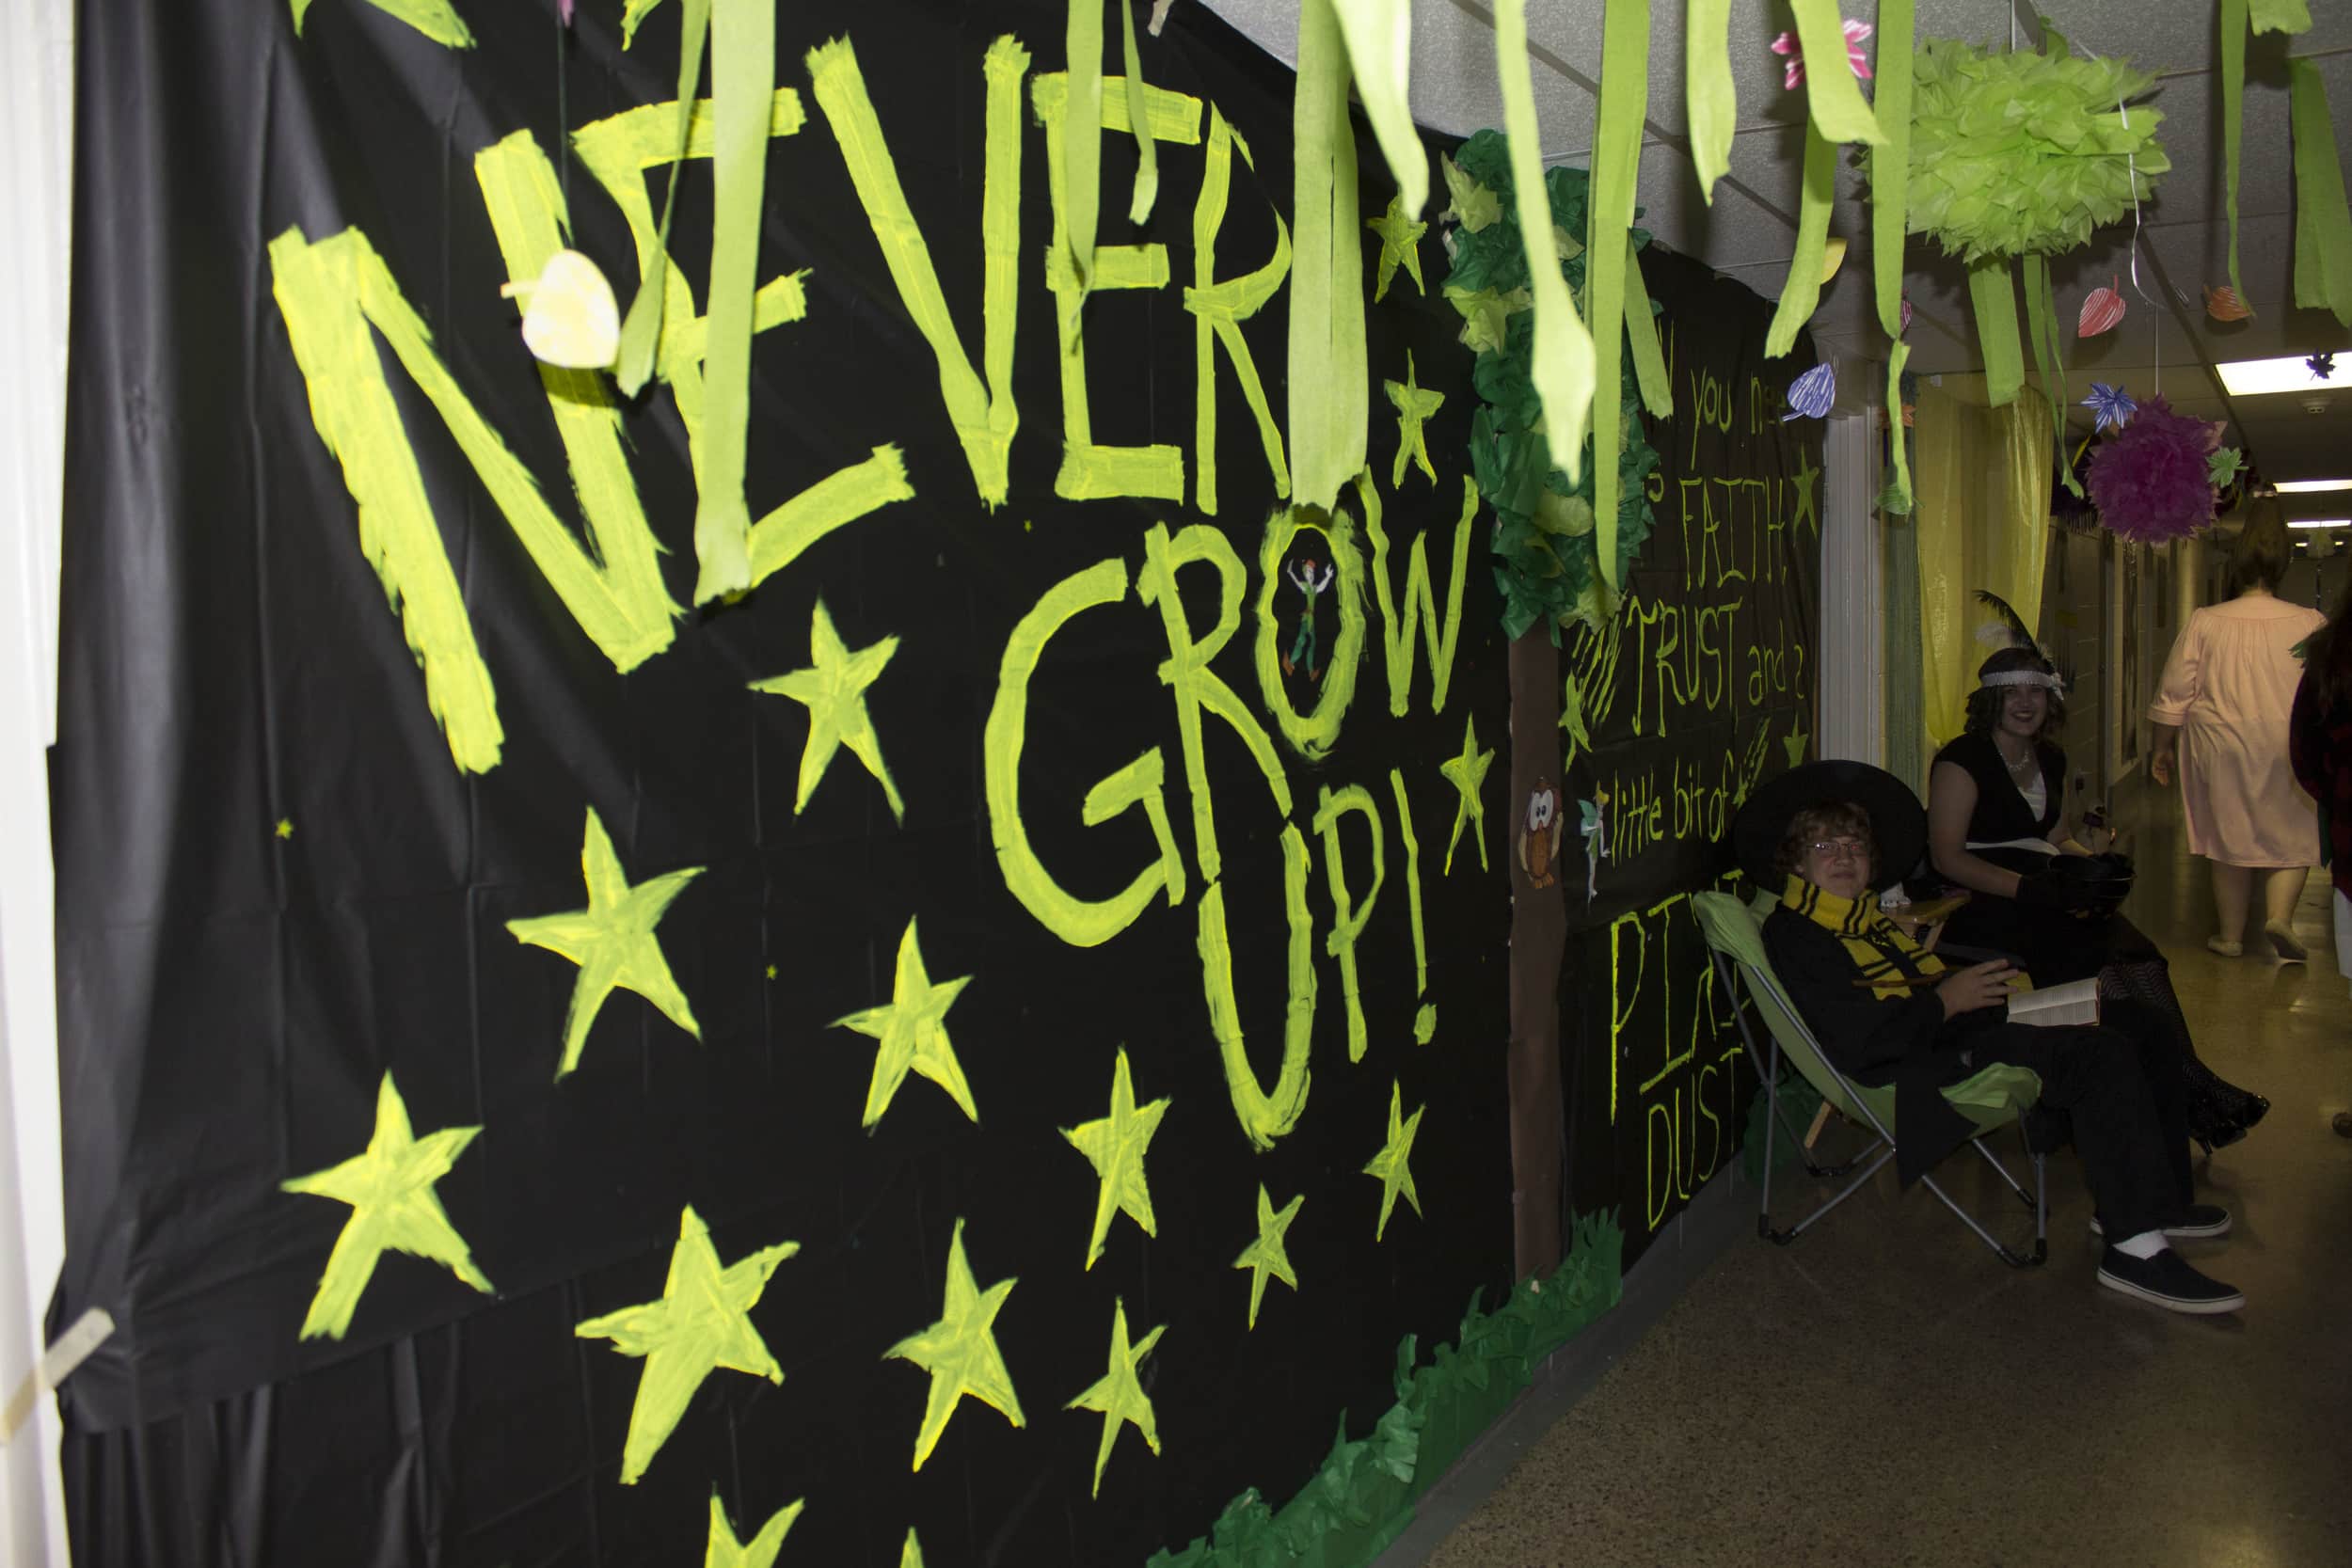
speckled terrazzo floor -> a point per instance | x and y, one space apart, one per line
1885 1392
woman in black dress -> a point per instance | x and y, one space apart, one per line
1996 825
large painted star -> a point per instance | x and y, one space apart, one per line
1467 773
834 692
1114 1146
1389 1167
1267 1255
393 1209
612 940
722 1551
700 1324
959 1350
912 1029
1400 240
1413 405
1118 1395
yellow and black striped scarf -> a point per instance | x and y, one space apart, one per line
1872 941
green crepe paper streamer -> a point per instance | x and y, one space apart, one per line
1082 150
2233 118
1711 100
1362 1497
1379 35
435 19
641 329
2048 359
743 86
1564 366
1641 330
1616 164
2282 16
1837 104
1328 390
1994 296
1891 178
633 17
1140 117
2323 225
1802 290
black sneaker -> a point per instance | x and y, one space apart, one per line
2168 1281
2202 1220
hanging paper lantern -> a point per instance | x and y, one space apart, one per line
1811 394
2111 404
2101 309
2223 305
2153 482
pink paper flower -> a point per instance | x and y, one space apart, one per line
1787 46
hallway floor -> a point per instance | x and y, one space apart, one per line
1885 1391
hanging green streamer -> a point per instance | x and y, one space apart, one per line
1838 110
1329 384
1890 184
742 87
2041 327
1140 117
1640 331
1608 221
1802 290
2282 16
435 19
1082 151
1994 297
641 329
1711 100
1379 35
2323 223
1563 367
2233 118
1895 494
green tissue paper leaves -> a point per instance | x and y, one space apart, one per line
2014 152
1546 551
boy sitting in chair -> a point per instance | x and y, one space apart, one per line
1886 1011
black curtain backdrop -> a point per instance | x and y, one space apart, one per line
275 885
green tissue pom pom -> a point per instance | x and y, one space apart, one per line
2012 153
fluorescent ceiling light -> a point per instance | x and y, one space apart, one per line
2292 374
2301 486
2323 522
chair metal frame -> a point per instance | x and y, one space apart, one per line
1765 988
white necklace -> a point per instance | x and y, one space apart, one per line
2021 769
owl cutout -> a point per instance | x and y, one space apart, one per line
1539 836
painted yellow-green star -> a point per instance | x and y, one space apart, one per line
1413 404
700 1324
1487 315
1119 1395
1467 773
285 827
1267 1255
1114 1146
723 1550
834 692
1391 1166
959 1350
911 1555
912 1031
1400 240
1795 743
612 940
394 1208
1572 717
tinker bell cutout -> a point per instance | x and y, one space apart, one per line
1594 828
1303 645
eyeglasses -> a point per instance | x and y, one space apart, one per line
1841 849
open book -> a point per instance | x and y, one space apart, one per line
2075 1002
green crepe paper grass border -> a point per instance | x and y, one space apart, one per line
1362 1497
1546 564
2017 153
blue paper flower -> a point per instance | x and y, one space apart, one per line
1811 394
2112 404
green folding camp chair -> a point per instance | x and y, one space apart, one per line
1994 1098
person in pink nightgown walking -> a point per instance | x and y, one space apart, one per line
2221 713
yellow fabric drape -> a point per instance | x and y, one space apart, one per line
1983 488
